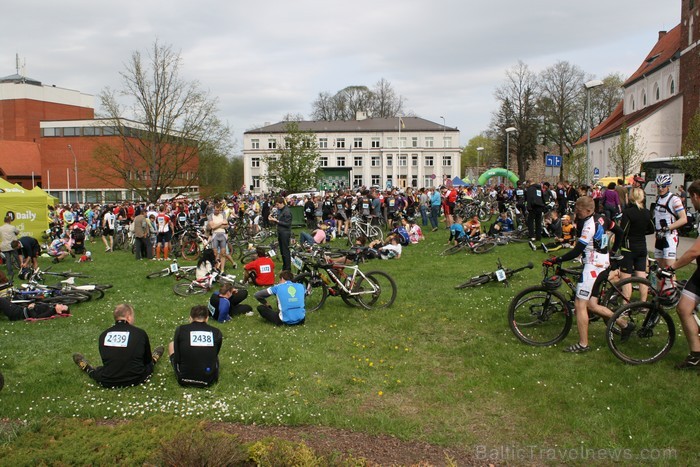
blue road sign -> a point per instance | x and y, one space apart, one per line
596 171
552 160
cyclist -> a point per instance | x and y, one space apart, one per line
592 246
457 233
669 215
690 297
290 300
637 224
194 351
260 271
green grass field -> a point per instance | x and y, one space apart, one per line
440 366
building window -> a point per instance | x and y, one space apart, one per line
414 181
323 143
50 132
632 102
340 143
375 142
389 160
357 161
403 160
672 87
71 131
447 142
429 142
323 161
256 182
447 161
357 143
414 142
657 92
428 181
414 160
402 142
429 161
90 131
375 179
109 131
255 144
376 161
255 162
287 143
271 143
341 161
644 98
389 142
357 181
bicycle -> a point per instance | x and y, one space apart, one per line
193 242
654 332
203 285
174 268
541 315
478 246
359 229
499 275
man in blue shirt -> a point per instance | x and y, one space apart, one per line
435 203
290 301
227 303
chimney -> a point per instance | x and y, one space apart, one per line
360 115
661 34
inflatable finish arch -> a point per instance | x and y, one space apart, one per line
498 172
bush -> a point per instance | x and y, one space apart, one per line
204 449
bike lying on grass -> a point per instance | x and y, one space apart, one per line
481 245
180 272
501 274
203 285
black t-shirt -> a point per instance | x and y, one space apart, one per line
30 246
196 354
126 356
637 224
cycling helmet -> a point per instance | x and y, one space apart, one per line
68 217
88 254
663 180
552 282
670 297
25 274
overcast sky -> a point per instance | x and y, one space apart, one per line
264 59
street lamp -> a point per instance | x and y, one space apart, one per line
75 166
509 130
594 83
443 142
478 156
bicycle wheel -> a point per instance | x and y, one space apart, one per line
613 297
248 256
484 247
103 286
379 293
453 249
157 274
61 299
95 293
484 214
474 281
185 289
652 338
190 249
539 317
316 291
375 233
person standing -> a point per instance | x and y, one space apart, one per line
164 224
290 300
284 231
435 203
108 220
8 234
535 209
669 215
194 351
125 351
636 224
142 235
424 203
218 223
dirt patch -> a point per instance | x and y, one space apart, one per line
382 450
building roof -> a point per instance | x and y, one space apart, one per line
17 78
356 126
667 49
19 158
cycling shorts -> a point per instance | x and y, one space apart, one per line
584 288
164 237
218 242
665 247
692 287
633 260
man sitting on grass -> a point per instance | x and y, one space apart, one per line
194 352
290 300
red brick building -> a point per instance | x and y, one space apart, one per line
689 79
47 138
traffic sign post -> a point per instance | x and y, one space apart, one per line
552 160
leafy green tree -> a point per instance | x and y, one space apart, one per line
293 166
627 152
479 160
575 165
690 150
162 124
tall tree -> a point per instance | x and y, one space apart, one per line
386 104
380 102
293 165
518 108
690 150
162 122
627 152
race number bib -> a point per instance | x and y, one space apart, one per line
501 275
266 268
117 339
271 253
201 339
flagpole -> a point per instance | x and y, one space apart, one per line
396 164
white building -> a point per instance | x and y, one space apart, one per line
405 152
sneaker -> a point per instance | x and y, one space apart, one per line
626 332
55 260
532 245
533 239
107 250
616 256
434 229
154 259
250 313
544 247
690 363
157 353
82 363
577 348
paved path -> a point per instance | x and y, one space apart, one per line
683 245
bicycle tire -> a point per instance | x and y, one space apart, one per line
157 274
475 281
103 286
95 294
613 298
249 256
649 342
484 247
185 289
190 249
383 283
375 233
82 296
61 299
484 214
316 291
540 317
453 249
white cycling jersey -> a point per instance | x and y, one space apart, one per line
664 216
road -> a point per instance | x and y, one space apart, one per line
683 245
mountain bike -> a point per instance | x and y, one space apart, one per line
174 268
478 246
542 315
501 274
359 229
203 285
654 331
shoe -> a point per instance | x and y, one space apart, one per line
577 348
616 256
82 363
72 254
532 245
627 331
544 247
154 259
168 259
55 260
690 363
157 353
532 239
434 229
250 313
107 250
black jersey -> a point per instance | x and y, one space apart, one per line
196 354
126 356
